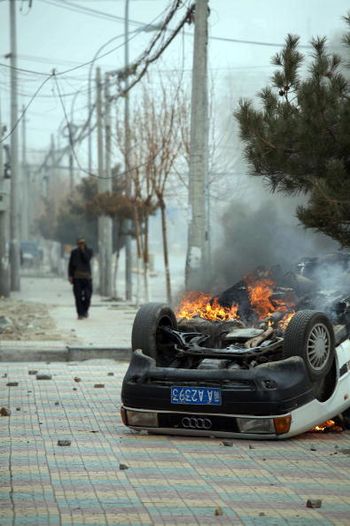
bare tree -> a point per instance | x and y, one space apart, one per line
142 198
163 141
155 146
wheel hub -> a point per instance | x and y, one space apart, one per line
318 346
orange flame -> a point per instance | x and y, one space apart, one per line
259 294
328 426
198 304
259 290
283 324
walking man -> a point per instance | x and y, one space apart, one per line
79 274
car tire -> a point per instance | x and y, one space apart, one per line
147 336
310 335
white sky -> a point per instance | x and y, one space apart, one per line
58 37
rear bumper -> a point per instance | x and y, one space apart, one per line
272 389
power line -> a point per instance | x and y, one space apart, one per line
72 147
143 57
83 64
92 12
254 42
23 94
46 60
236 41
67 70
146 56
25 109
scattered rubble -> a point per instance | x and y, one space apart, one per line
5 412
218 511
228 443
64 443
314 503
123 467
20 321
5 324
12 384
44 376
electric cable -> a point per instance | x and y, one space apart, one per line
94 12
145 57
42 96
72 142
56 74
83 64
61 73
25 109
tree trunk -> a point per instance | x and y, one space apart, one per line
145 259
115 275
139 252
165 251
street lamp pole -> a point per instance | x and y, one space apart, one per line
128 256
4 266
14 210
100 184
89 105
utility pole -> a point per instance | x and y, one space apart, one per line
107 221
100 186
197 250
53 181
24 183
14 210
4 263
128 255
71 158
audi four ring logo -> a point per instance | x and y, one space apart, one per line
196 423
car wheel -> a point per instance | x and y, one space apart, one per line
310 335
148 336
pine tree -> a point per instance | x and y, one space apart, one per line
299 139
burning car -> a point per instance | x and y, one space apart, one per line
261 360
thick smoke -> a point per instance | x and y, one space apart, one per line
262 230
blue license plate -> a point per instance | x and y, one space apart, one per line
196 395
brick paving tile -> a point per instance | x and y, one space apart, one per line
170 480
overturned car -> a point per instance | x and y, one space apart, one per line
260 360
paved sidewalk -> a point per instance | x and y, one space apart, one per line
107 329
169 480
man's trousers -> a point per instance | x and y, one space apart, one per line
82 289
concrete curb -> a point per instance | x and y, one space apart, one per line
59 352
92 353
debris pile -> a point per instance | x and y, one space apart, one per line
26 322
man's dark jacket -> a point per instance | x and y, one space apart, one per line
79 264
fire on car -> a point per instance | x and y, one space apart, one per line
267 358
